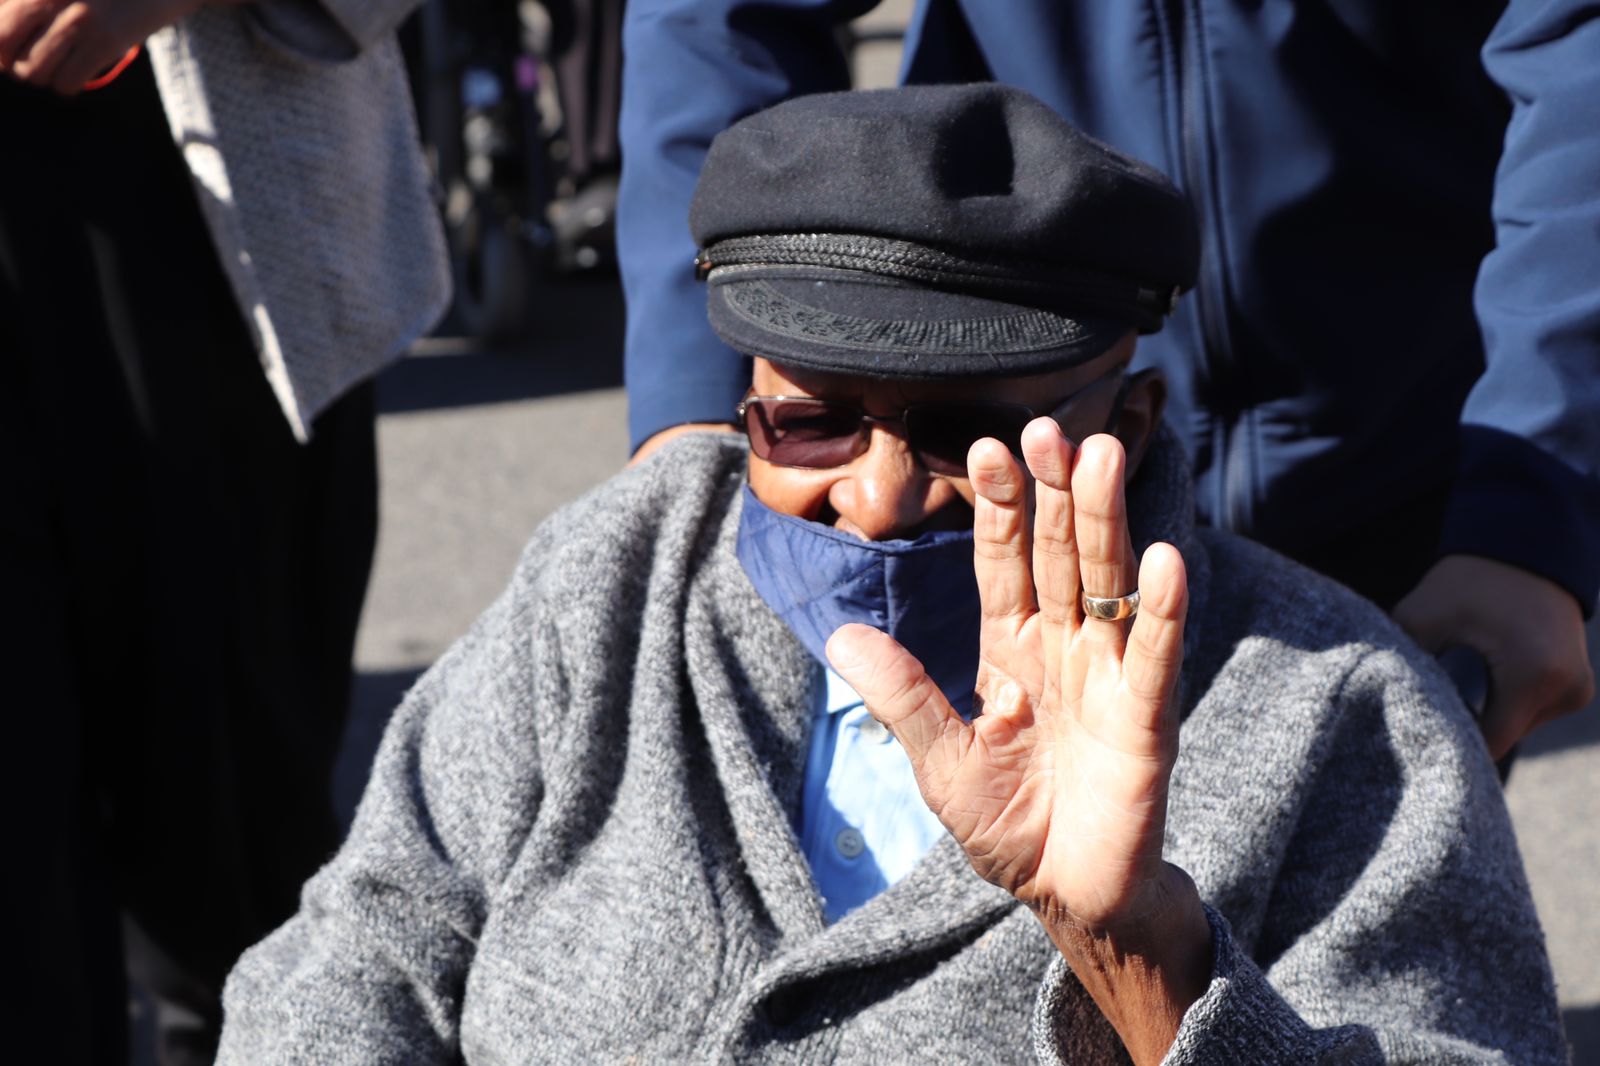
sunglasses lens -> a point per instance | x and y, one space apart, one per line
808 433
942 434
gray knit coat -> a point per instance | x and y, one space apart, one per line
576 844
294 118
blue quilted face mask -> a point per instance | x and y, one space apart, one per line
922 592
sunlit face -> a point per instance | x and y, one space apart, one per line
885 493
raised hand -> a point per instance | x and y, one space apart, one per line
1058 789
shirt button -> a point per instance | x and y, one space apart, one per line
873 731
850 842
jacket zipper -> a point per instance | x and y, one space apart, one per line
1231 441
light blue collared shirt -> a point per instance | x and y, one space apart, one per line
863 824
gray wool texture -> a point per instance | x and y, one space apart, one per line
576 844
294 118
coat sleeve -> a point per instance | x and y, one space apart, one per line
373 967
1528 486
1397 925
692 68
330 29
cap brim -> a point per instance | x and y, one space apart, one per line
849 322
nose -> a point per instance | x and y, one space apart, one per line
885 493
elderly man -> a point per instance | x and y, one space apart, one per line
633 817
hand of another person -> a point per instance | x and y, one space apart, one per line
1529 629
1058 788
63 44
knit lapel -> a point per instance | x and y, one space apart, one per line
754 685
941 901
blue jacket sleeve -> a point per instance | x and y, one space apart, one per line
692 68
1528 488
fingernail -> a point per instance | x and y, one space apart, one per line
840 651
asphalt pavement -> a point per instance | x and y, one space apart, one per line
477 447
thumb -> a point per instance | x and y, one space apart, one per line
895 688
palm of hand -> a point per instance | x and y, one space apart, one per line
1057 790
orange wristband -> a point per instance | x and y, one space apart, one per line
114 73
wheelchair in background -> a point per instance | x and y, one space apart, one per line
517 104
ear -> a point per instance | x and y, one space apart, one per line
1143 401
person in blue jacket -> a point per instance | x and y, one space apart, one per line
1390 367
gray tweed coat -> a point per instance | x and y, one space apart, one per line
576 843
295 119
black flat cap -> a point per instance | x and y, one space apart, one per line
933 231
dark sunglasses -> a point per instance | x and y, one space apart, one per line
816 434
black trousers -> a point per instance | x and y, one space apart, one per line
181 581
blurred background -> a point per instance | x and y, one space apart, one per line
516 405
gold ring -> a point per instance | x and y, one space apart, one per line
1111 608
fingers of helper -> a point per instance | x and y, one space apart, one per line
1154 654
1100 523
20 22
1000 537
1530 685
1502 726
40 60
898 692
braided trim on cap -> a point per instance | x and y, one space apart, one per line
907 260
